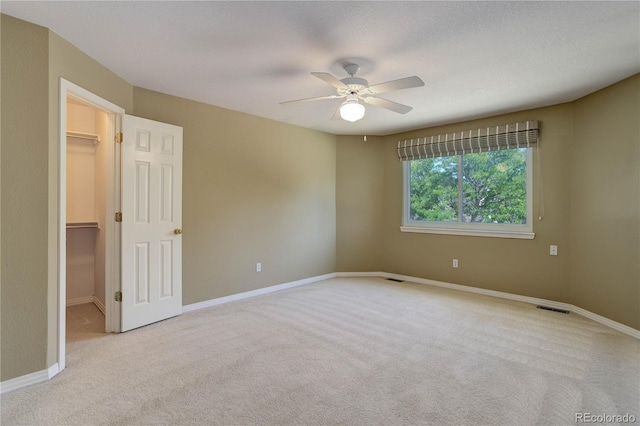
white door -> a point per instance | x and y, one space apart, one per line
151 222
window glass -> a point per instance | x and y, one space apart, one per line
494 187
488 191
434 189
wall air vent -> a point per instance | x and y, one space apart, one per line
547 308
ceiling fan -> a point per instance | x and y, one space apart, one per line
356 89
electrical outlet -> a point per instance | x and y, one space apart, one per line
553 250
258 267
455 263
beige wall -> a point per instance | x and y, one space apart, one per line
359 203
605 203
24 187
254 190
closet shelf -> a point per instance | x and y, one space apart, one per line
88 224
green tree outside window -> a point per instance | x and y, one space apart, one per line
491 185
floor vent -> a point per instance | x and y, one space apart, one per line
547 308
393 279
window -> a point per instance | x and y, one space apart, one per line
485 189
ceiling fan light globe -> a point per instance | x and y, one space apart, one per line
352 111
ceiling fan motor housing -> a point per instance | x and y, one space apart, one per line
355 85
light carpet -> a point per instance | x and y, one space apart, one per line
356 351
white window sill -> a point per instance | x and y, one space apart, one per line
471 233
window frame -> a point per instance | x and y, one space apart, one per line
524 231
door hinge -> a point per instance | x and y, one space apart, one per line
118 216
119 137
118 296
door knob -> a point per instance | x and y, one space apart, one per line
177 231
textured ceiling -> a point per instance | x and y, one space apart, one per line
476 58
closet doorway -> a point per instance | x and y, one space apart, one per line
89 196
87 153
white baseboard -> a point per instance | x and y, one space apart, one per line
100 305
80 300
88 299
360 274
253 293
606 321
29 379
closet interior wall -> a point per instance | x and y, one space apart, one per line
86 204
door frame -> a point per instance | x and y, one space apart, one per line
111 229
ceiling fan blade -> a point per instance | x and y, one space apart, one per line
318 98
403 83
328 78
390 105
336 115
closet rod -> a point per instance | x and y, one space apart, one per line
86 136
76 225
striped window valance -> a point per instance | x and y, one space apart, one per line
509 136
